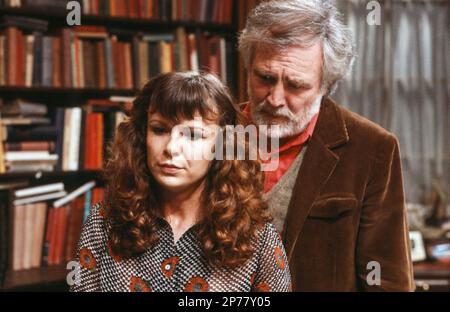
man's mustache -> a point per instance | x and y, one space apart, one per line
264 107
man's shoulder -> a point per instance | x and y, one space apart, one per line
361 128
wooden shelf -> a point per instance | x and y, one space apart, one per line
43 175
46 91
59 17
37 278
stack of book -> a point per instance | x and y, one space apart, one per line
94 57
200 11
75 139
27 137
45 233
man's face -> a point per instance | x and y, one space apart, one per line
285 88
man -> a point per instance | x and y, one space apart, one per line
337 194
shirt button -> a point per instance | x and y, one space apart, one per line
167 267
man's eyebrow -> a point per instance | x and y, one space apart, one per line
297 81
262 72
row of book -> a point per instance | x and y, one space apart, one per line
92 57
201 11
45 223
73 138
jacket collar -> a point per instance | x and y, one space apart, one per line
318 165
331 127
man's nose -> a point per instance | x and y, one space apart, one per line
277 97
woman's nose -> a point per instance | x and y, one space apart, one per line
173 145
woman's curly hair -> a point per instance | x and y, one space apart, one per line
232 199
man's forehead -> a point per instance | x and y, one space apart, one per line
292 63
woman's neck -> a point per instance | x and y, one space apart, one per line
182 209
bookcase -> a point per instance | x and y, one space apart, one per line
85 76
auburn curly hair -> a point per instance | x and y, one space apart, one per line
232 199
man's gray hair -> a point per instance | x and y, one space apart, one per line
278 24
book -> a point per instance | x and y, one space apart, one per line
37 133
41 189
39 198
72 195
20 121
48 146
20 107
28 229
29 155
23 23
38 234
18 236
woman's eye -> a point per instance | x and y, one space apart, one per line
195 135
158 130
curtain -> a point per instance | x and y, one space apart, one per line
400 80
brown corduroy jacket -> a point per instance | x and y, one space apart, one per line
348 209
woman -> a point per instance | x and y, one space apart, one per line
174 222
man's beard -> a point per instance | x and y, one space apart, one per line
263 114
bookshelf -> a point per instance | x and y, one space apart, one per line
125 28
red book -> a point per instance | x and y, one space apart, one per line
61 233
99 141
66 56
57 62
102 102
88 142
11 55
53 237
121 7
97 195
20 78
133 8
48 236
74 227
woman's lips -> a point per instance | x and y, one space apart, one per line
169 169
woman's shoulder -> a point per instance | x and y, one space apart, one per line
268 234
97 216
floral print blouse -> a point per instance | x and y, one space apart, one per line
180 266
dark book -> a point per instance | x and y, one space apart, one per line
59 5
231 65
165 9
135 58
38 133
59 124
109 64
90 63
20 107
24 23
67 38
37 60
47 61
4 233
154 59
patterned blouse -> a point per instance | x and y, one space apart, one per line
180 266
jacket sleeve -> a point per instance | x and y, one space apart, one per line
91 247
383 257
273 271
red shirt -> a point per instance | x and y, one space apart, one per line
288 151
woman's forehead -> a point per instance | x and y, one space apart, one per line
197 119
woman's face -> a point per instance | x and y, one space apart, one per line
176 152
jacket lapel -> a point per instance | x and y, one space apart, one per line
318 165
